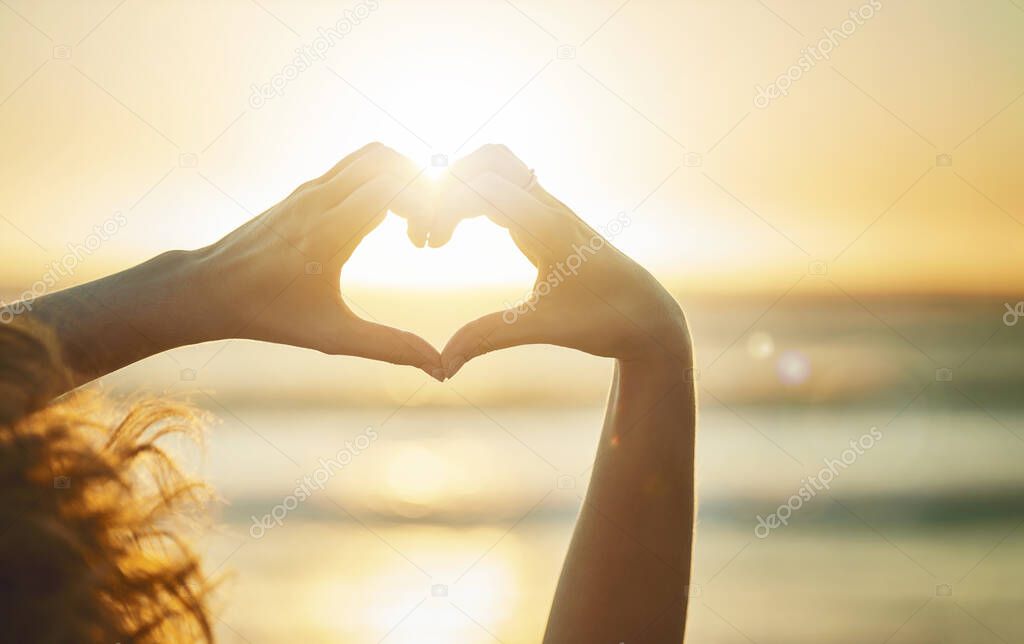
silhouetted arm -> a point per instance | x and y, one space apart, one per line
628 567
275 278
627 570
122 318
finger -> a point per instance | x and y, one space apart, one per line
415 204
338 167
541 231
357 216
492 158
500 160
488 158
419 228
441 228
453 208
347 161
377 160
510 328
388 344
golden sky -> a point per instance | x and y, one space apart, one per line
648 107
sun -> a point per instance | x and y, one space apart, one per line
437 167
416 475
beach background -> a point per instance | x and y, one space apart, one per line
850 256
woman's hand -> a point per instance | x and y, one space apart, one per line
587 296
627 569
276 278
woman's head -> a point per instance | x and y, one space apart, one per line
91 510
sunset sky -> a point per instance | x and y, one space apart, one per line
649 109
836 202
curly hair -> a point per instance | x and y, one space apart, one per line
92 509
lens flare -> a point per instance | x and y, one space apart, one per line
760 345
793 368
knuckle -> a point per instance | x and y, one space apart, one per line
496 148
311 198
305 188
381 152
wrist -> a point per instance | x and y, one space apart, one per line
663 339
171 296
660 365
201 285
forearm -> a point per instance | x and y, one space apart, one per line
628 567
120 319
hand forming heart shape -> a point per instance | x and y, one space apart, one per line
279 273
587 296
276 278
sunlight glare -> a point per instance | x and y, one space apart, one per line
437 167
479 253
415 475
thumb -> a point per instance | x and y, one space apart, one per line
501 330
388 344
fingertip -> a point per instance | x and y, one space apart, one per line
441 233
454 364
417 233
468 342
381 342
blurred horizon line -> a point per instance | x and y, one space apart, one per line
812 288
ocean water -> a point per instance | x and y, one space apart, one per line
366 503
449 525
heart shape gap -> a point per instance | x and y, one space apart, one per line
433 291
